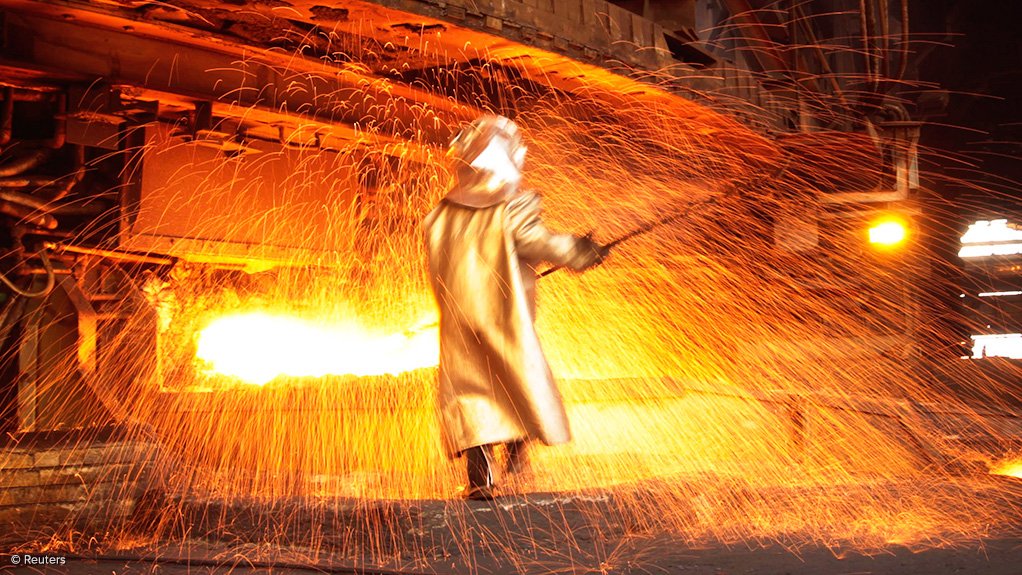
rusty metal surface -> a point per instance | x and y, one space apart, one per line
174 60
571 46
274 205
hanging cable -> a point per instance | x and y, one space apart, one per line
800 17
50 281
903 64
864 31
867 21
884 45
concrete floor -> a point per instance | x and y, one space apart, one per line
528 535
992 557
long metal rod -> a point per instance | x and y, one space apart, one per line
642 230
46 289
110 254
680 215
651 226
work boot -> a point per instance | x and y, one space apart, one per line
481 484
517 457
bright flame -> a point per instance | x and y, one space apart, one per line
1009 468
997 345
991 238
258 347
985 250
987 231
887 233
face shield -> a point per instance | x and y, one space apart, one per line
483 141
490 155
501 160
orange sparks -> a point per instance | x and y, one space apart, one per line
749 372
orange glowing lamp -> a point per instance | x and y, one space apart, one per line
888 233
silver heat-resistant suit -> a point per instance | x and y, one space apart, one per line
495 384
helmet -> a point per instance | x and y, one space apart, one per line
490 154
484 133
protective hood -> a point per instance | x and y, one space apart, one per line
490 155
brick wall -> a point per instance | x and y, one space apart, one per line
82 480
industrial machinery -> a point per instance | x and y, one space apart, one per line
231 139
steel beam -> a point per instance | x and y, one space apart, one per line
166 59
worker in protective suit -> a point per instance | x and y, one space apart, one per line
484 240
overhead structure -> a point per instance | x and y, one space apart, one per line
245 136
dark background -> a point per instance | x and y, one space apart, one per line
968 71
972 49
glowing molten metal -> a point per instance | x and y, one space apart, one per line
257 347
1009 468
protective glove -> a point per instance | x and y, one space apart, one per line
591 252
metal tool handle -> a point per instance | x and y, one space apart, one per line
650 226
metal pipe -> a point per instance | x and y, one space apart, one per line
762 45
76 177
867 48
41 271
24 200
93 208
7 116
873 50
25 162
885 31
27 215
110 254
46 289
47 234
66 183
28 182
903 65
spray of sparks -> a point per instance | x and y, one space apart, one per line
717 386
